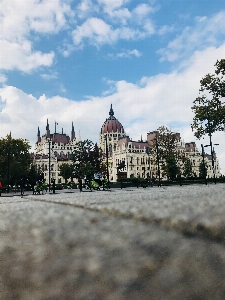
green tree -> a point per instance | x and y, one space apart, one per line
15 159
209 107
169 154
32 175
187 168
66 171
171 167
87 159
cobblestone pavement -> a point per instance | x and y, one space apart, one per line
153 243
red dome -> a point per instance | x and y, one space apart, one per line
112 124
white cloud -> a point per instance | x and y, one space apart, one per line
165 99
126 54
94 29
206 32
3 78
20 56
143 10
116 23
98 32
20 23
19 19
110 5
86 8
51 76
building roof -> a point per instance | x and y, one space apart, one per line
112 124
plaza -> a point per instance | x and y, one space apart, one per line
152 243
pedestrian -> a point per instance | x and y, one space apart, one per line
80 184
22 186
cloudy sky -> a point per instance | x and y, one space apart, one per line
68 60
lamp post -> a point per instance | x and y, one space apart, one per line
157 157
8 161
49 165
107 159
148 151
203 160
210 143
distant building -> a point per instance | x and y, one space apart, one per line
60 147
132 157
135 154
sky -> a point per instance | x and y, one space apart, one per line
69 60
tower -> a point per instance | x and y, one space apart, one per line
72 133
111 130
47 130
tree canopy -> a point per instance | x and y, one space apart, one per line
87 159
15 159
169 155
66 171
209 107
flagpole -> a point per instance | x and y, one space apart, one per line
55 126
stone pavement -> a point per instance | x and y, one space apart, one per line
154 243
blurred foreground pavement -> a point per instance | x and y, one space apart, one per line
153 243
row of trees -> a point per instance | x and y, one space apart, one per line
87 158
16 163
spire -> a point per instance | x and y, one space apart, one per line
72 133
47 127
111 112
47 130
38 136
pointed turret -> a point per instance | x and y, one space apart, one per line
111 112
47 130
72 133
38 136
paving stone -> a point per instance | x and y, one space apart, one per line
196 209
107 245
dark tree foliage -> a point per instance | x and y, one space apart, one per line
203 170
66 171
15 160
32 175
187 168
168 153
172 169
209 107
87 159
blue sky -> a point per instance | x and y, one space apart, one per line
69 60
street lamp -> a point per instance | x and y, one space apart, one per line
210 143
49 165
107 159
148 151
157 157
203 160
8 162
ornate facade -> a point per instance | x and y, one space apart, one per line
51 150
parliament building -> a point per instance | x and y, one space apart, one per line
53 149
